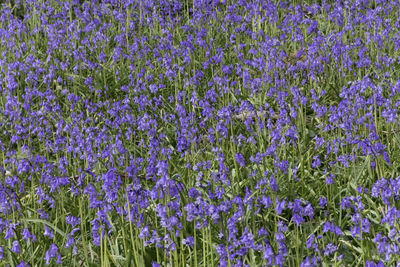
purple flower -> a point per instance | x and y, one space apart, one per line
73 221
247 238
310 241
355 231
51 253
298 219
16 249
308 263
274 184
268 254
280 259
70 241
313 28
373 264
144 233
366 225
240 159
317 162
266 201
48 232
323 202
329 179
392 234
23 264
10 233
26 234
329 249
188 241
280 206
222 251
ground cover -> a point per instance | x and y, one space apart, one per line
199 133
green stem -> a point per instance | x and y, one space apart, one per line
83 231
133 240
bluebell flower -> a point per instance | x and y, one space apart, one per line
240 159
308 262
329 249
269 254
330 179
26 234
280 205
52 252
188 241
23 264
73 221
16 248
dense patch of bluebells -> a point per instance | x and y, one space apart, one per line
226 133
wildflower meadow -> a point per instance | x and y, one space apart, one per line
199 133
